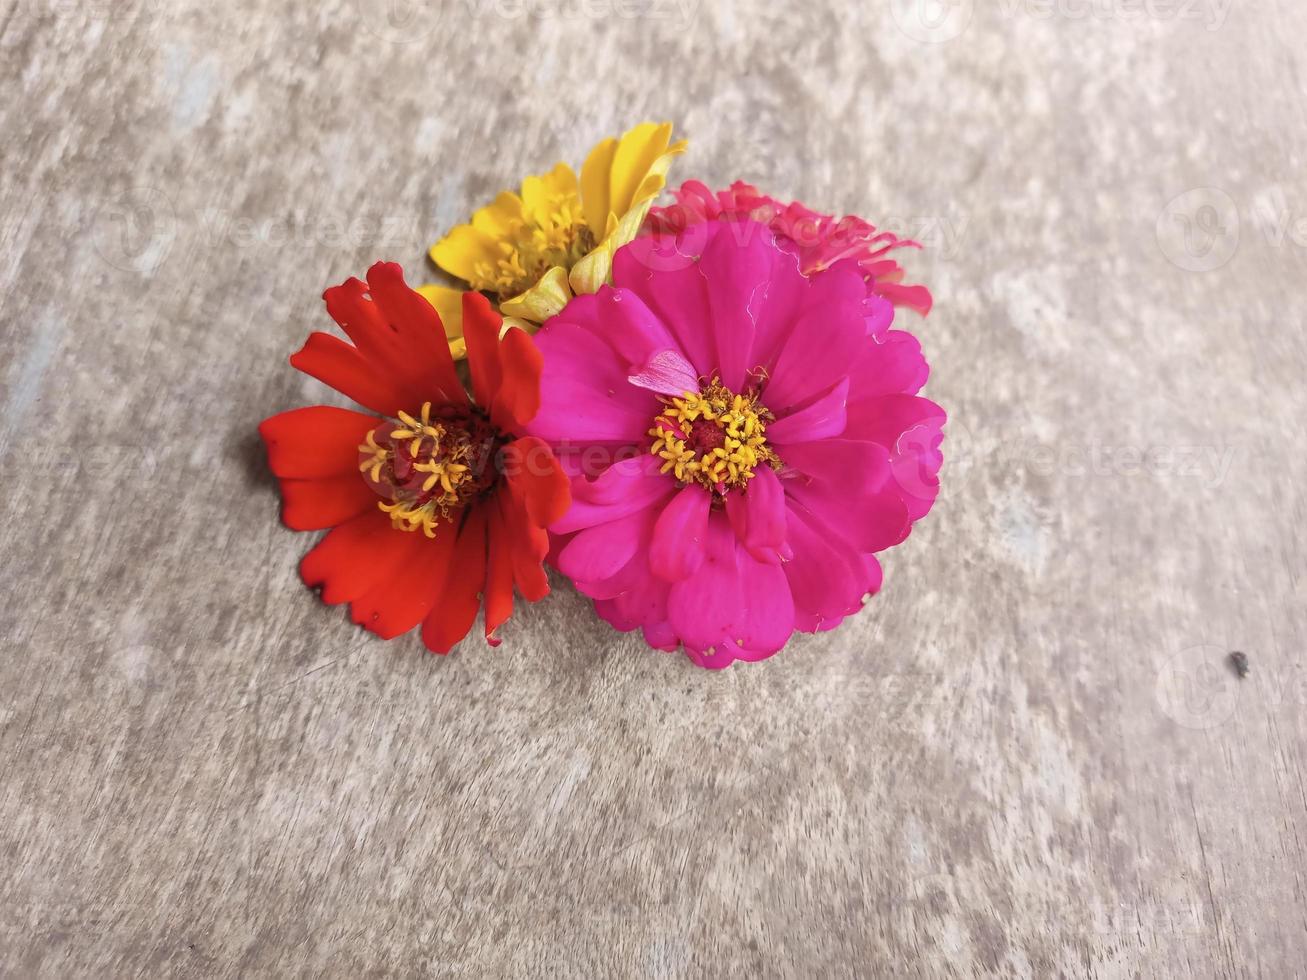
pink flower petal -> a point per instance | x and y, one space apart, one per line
823 419
630 326
823 575
661 636
769 615
680 536
736 264
757 515
912 428
786 296
870 522
879 315
665 274
634 574
641 605
913 297
622 489
825 341
707 609
884 418
917 464
576 410
584 394
667 373
600 552
862 467
732 603
892 365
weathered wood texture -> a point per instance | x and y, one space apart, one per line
1026 757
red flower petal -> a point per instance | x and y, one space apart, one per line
534 471
307 443
354 557
420 335
399 334
454 613
311 505
481 325
916 298
518 398
340 365
402 600
499 571
529 543
354 312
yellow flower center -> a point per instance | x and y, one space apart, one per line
554 235
426 468
715 438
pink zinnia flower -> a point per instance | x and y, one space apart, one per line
819 240
742 439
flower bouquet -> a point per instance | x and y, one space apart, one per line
702 414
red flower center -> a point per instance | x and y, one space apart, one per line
705 436
427 466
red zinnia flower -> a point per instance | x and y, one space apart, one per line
437 502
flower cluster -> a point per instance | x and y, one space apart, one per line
701 414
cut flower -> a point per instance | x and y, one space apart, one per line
534 250
819 240
742 439
434 499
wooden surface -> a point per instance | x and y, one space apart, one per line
1027 757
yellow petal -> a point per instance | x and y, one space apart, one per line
459 252
499 218
615 209
539 193
656 177
449 304
596 177
592 271
467 246
636 153
543 300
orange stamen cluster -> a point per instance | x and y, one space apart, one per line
555 235
715 438
427 468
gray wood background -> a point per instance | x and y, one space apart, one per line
1028 757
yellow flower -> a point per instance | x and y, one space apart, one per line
535 250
